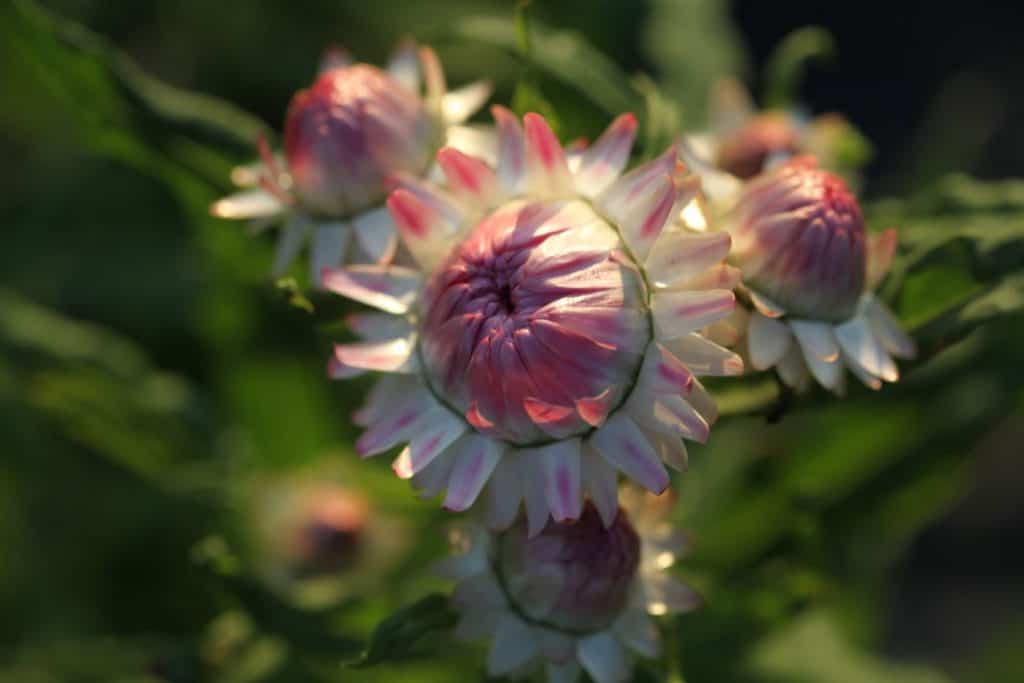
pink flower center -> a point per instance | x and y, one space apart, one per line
535 323
347 133
799 236
574 576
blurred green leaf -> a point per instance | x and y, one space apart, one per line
395 638
785 66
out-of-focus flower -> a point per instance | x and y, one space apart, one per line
809 272
577 596
549 338
327 533
344 139
743 141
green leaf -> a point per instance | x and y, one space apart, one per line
395 637
786 65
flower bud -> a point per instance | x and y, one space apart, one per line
349 132
327 533
745 151
799 237
576 576
535 316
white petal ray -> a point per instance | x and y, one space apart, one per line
537 510
293 236
604 658
328 251
378 326
704 357
816 339
555 645
405 66
504 492
475 462
665 595
829 374
427 443
869 380
887 328
546 169
411 412
601 163
768 340
511 151
424 230
623 445
860 345
642 220
389 391
433 75
766 306
255 203
391 289
460 104
470 179
560 466
677 314
681 256
376 235
514 645
476 624
639 633
433 479
393 355
671 449
601 481
703 403
793 370
475 141
672 416
569 672
338 370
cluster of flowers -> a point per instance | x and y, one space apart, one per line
543 317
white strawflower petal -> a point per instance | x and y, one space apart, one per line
424 230
433 75
680 256
474 140
389 288
860 345
433 479
476 624
869 380
255 203
601 163
703 403
293 236
393 355
604 658
556 646
514 645
792 369
480 593
469 178
414 410
432 194
639 633
428 443
620 195
375 234
476 459
704 357
328 250
768 340
887 328
504 492
722 276
388 392
546 169
671 449
600 480
816 339
663 373
569 672
560 465
829 374
459 104
677 314
338 370
404 66
537 510
766 306
642 220
623 445
511 151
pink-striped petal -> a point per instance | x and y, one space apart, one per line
642 221
459 104
816 339
704 357
504 492
600 482
394 355
768 340
378 326
255 203
511 151
664 373
475 461
860 345
537 510
469 178
391 289
401 422
375 235
623 445
677 314
603 161
404 66
430 441
328 250
546 167
560 466
424 230
683 256
433 74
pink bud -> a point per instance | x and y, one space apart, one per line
535 326
355 127
745 151
799 237
573 576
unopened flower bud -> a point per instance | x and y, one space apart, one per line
744 152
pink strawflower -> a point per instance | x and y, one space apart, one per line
344 138
549 337
809 272
577 597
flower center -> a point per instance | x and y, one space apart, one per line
575 577
536 324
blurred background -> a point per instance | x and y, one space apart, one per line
179 499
